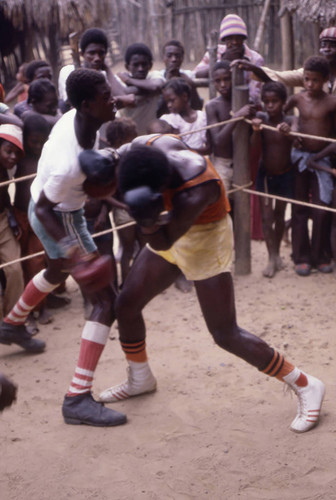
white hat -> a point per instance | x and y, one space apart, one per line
12 133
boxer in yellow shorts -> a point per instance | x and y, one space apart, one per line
179 202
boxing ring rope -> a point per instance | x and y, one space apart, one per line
235 189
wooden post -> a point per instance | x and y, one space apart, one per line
241 177
212 49
287 38
261 28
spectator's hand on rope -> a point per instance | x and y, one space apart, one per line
256 124
284 128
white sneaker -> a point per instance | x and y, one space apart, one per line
309 404
131 387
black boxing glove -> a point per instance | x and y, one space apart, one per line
7 392
145 205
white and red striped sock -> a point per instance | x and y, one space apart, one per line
94 338
36 290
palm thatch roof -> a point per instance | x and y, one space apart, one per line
322 12
69 15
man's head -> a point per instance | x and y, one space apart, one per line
328 44
35 133
93 45
42 96
38 69
233 33
89 93
173 53
138 60
143 175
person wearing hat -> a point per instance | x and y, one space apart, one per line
56 214
232 45
294 78
11 149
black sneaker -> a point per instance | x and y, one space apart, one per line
18 334
83 409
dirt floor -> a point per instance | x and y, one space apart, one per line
216 428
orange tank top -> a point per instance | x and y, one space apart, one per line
213 212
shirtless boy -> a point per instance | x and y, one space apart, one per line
316 117
218 110
275 174
159 172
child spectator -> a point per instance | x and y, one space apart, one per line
275 174
316 117
20 90
173 54
119 132
34 71
181 116
218 110
11 150
42 98
35 133
145 84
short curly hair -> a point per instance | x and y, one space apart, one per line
317 64
93 35
32 67
277 87
138 49
81 84
143 166
178 85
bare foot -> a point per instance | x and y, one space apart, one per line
279 263
270 269
183 284
45 317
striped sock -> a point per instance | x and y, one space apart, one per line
94 338
280 368
135 352
36 290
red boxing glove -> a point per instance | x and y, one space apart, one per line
7 392
92 272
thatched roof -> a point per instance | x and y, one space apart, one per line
70 15
322 12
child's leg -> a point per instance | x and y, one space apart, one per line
300 215
333 227
320 240
279 229
267 216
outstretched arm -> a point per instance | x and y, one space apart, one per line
248 66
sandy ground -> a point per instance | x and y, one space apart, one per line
216 428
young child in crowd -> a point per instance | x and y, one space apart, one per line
182 117
275 174
20 90
218 110
35 133
173 54
11 150
42 97
119 132
145 84
316 117
34 71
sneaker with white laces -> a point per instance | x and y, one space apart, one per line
133 386
309 403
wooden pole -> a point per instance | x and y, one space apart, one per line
287 38
212 49
261 26
241 177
